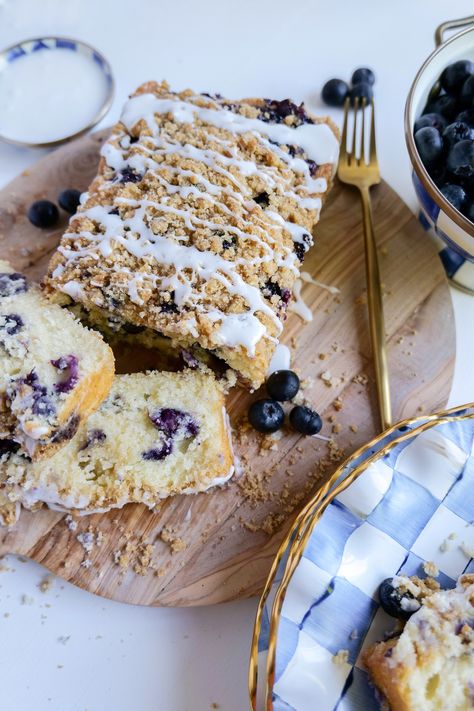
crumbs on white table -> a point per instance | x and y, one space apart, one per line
354 634
46 583
27 600
64 639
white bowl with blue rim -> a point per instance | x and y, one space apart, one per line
404 500
454 232
52 89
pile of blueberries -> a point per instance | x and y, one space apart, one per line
267 415
45 214
444 135
336 91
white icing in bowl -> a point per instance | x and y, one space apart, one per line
52 89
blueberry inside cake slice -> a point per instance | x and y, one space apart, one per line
157 434
53 371
199 219
430 665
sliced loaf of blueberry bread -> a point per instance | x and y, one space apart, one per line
199 219
157 434
53 371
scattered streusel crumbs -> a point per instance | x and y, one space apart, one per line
175 543
341 657
46 583
431 569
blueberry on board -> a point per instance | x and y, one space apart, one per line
363 74
467 93
335 92
283 385
43 213
455 132
429 144
362 90
443 104
454 76
69 200
435 120
466 116
460 161
395 603
455 194
266 415
305 420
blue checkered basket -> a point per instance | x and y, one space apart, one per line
413 503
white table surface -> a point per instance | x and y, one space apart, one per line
119 656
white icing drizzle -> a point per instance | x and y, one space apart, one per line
135 233
308 279
281 359
298 305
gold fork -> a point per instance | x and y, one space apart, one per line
354 170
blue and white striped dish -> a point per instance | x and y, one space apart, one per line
48 44
394 517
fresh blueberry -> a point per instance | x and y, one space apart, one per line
466 116
455 194
266 415
454 76
305 420
69 200
12 284
13 324
443 104
460 161
435 120
69 363
363 74
455 132
429 144
467 93
283 385
43 213
335 92
439 175
161 451
360 91
397 604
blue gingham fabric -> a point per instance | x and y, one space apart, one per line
413 505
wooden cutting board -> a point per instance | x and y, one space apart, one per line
219 546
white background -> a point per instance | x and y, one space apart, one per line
126 658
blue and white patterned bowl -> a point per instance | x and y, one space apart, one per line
412 501
454 230
15 52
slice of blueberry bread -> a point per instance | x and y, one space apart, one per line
430 665
199 219
53 371
157 434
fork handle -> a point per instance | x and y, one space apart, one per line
376 318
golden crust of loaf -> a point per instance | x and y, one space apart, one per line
156 435
54 372
430 666
227 215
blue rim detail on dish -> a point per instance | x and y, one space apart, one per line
371 531
38 44
457 261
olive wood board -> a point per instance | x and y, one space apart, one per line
229 538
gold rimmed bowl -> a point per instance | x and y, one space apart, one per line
387 510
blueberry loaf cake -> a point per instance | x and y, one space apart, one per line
53 371
157 434
199 219
430 665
